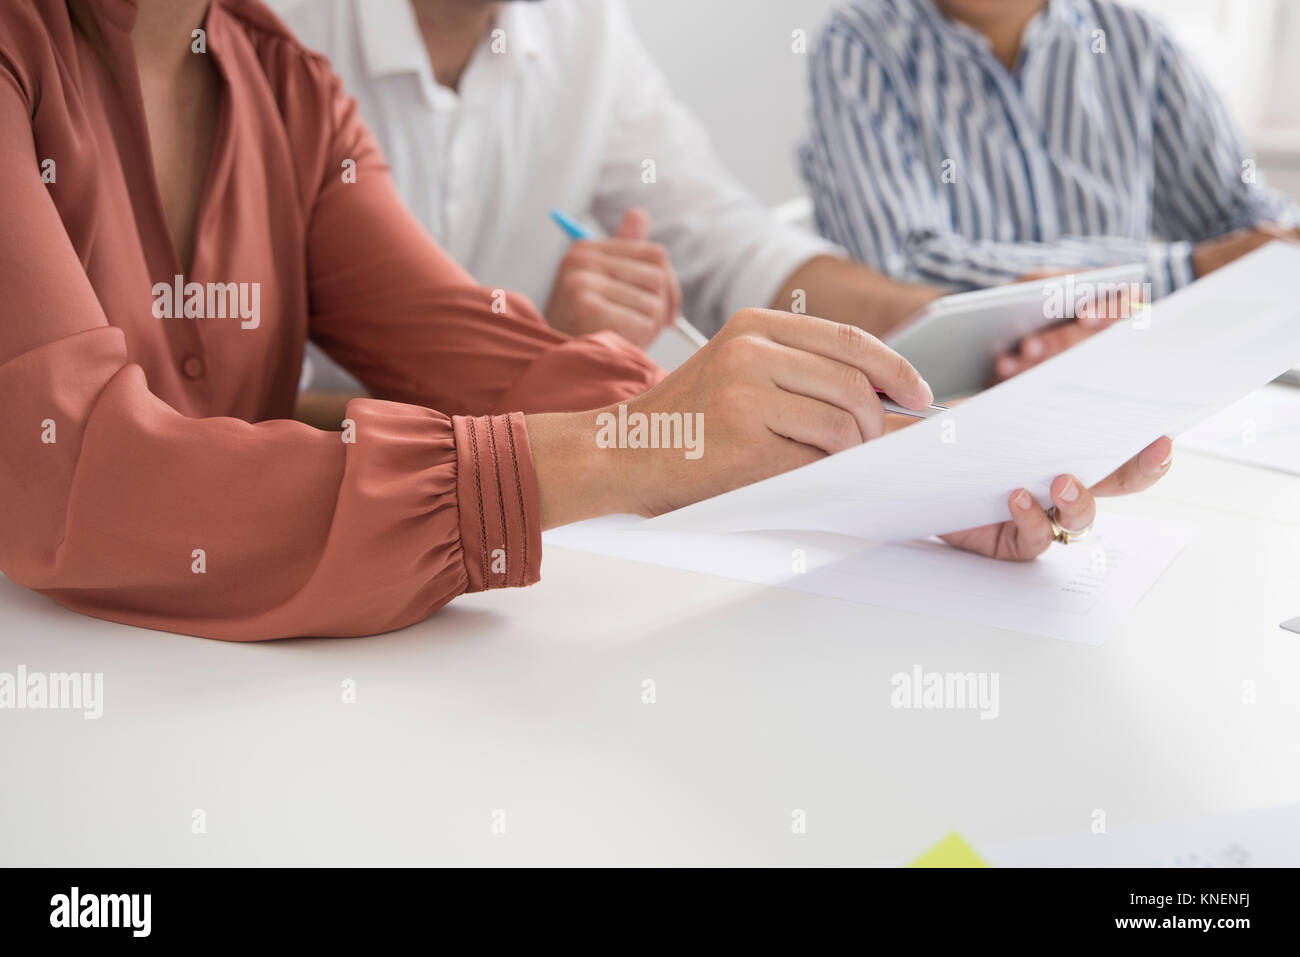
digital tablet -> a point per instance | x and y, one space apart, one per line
954 341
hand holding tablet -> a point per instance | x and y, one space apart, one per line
956 341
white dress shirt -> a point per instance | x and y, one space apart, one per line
560 106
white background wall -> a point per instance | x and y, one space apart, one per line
731 61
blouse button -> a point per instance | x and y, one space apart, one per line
192 367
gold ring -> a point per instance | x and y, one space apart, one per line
1062 534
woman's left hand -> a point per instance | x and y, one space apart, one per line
1029 532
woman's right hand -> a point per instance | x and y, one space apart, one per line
770 392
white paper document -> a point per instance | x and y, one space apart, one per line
1267 837
1262 429
1078 593
1085 411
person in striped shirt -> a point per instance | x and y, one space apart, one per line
969 143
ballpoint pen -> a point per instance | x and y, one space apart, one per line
892 406
575 230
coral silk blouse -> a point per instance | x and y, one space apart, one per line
147 474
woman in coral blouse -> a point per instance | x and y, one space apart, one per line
187 195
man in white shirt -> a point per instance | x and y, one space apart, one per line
493 113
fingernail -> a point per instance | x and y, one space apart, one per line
1071 491
1168 459
1007 366
1033 348
1023 500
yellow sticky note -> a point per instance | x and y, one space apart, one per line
952 851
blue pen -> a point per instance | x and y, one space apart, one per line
575 231
572 228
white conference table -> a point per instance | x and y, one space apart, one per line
768 701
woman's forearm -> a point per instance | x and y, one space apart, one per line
576 479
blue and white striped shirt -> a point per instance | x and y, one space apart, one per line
928 160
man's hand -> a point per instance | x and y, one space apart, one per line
624 283
1029 532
